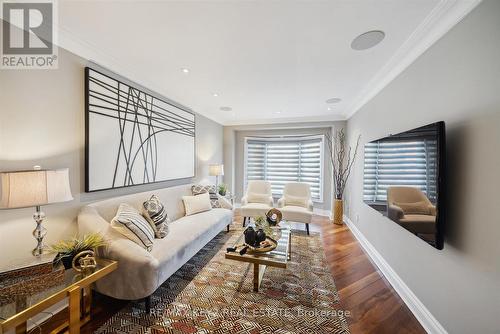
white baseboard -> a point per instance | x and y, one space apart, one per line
423 315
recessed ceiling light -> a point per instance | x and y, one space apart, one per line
333 100
367 40
277 112
226 108
215 94
328 108
185 70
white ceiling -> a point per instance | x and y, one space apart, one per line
270 61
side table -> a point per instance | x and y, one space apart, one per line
33 300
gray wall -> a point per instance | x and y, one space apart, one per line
234 148
42 123
458 81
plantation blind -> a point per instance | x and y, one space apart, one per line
285 160
400 163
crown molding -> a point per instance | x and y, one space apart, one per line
291 120
93 54
439 21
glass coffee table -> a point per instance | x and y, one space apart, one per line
278 257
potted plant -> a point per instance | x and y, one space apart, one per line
342 161
222 189
67 249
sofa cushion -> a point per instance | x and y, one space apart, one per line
296 214
254 209
258 198
186 237
416 208
296 200
154 212
196 204
199 189
129 222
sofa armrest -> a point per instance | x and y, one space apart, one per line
394 212
244 200
271 201
90 221
310 205
137 273
281 202
224 202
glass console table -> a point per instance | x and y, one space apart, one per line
23 298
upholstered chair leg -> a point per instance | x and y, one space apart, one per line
307 228
227 228
244 221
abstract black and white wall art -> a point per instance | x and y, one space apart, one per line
134 137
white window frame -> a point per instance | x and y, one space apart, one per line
288 139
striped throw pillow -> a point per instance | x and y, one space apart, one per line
199 189
154 212
129 222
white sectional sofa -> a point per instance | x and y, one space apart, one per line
141 272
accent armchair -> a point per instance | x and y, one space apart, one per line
257 201
296 204
410 208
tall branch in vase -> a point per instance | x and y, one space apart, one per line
342 162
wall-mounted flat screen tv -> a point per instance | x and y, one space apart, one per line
404 180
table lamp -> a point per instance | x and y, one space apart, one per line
216 170
37 187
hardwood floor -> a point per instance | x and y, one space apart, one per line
374 305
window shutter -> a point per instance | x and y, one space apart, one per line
399 163
280 161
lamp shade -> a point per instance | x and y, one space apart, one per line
215 170
34 188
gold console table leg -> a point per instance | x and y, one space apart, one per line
74 310
21 329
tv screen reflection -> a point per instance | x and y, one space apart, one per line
403 180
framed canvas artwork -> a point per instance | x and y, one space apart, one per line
134 137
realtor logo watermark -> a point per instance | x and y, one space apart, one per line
28 34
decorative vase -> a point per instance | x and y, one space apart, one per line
65 259
260 236
250 236
338 212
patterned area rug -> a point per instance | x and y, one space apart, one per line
210 294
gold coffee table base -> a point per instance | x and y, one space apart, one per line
258 273
279 257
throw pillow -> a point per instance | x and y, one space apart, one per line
416 208
129 222
154 212
197 203
296 201
199 189
258 198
